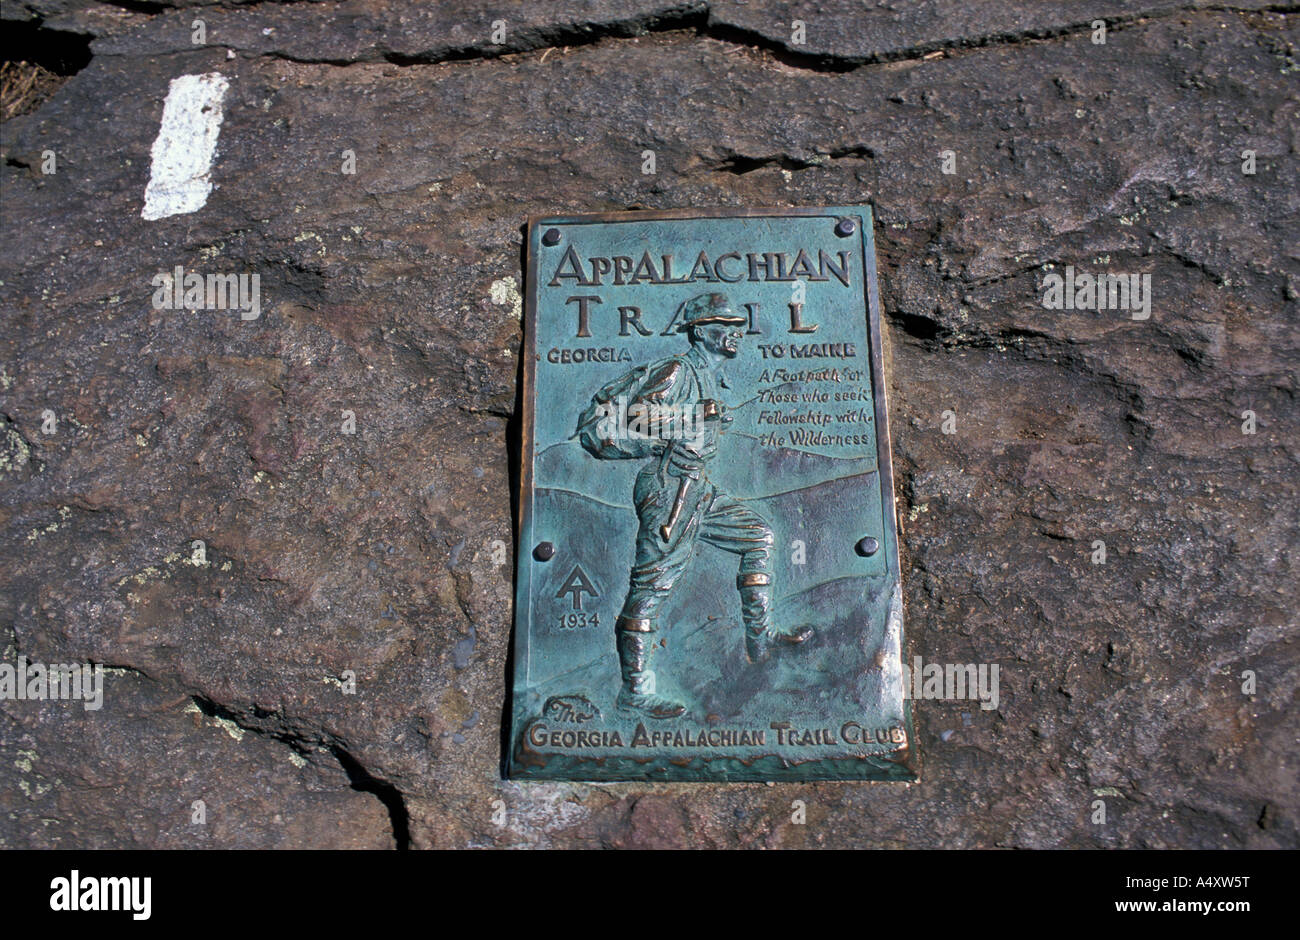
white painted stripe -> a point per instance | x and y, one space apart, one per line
179 179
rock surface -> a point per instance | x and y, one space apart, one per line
381 557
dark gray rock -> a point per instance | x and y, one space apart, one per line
392 294
847 33
153 769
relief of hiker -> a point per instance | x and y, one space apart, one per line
677 418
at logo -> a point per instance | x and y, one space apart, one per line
577 584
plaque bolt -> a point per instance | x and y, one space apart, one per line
845 227
867 546
544 551
551 236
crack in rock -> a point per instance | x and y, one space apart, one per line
431 37
274 725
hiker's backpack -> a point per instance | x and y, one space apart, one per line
618 446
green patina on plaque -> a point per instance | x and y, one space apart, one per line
707 583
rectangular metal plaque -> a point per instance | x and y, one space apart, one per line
707 575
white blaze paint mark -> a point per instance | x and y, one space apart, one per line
187 139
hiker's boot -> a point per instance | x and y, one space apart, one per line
636 639
761 636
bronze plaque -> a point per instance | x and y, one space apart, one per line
707 575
